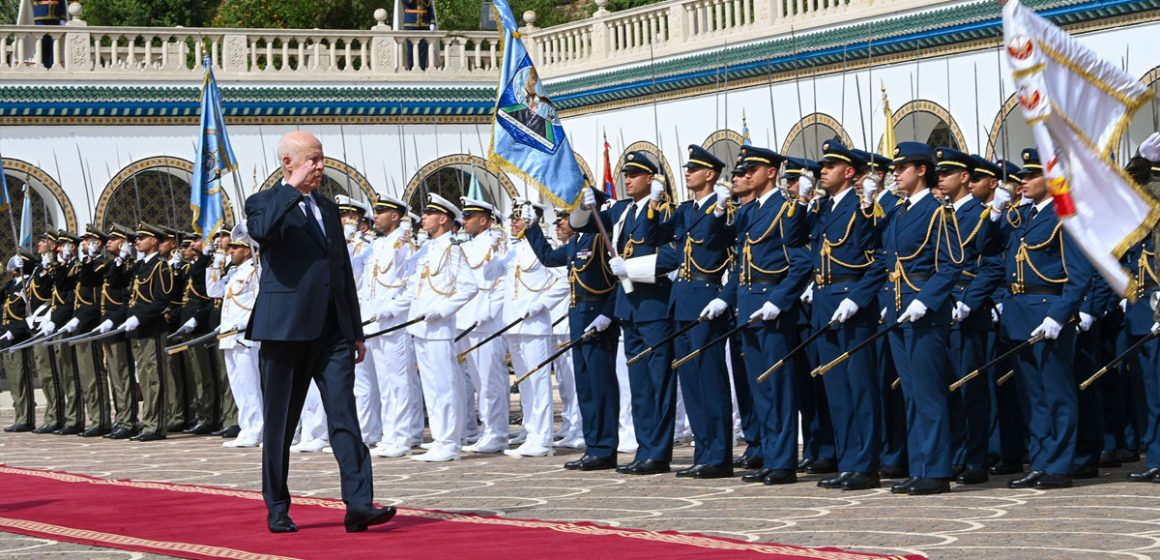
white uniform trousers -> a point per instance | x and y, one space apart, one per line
528 351
626 431
570 426
246 386
400 394
681 431
489 376
312 422
443 390
367 400
470 389
738 435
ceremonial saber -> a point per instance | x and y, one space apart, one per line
560 352
463 355
96 337
560 320
466 332
32 342
666 340
800 347
1017 349
678 363
402 325
227 334
821 370
1116 361
1006 377
67 340
896 384
624 282
208 337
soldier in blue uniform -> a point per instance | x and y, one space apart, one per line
1091 353
846 283
417 15
590 312
696 243
750 424
763 285
48 12
924 256
1047 278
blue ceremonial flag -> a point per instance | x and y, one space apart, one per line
527 138
745 141
5 200
473 190
25 240
214 157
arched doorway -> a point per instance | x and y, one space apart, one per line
724 145
1009 132
657 157
337 178
806 137
451 177
927 122
50 207
154 190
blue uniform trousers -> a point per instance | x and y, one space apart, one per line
817 426
654 388
705 386
750 428
597 391
773 400
853 393
920 358
1047 391
1146 361
1008 440
968 350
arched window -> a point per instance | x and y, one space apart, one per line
926 122
154 190
452 177
805 139
51 208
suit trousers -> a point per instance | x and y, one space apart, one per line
704 382
968 350
400 394
1049 395
773 401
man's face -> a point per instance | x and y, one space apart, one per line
146 244
115 244
564 230
516 225
759 176
983 187
239 255
475 223
952 183
791 185
1035 187
432 221
44 245
741 186
637 184
835 175
697 177
166 246
308 154
387 220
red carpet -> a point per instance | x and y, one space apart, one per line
204 522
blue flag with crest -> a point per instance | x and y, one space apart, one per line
527 138
214 157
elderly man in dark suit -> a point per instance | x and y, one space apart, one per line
307 318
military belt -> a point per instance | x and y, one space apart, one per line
702 277
1020 289
768 279
821 280
588 298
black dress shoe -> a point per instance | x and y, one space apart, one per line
1025 481
904 486
18 427
779 476
591 463
929 486
46 429
747 462
148 436
69 431
1005 466
1110 458
1090 471
647 466
280 523
834 482
229 432
176 427
623 469
755 476
894 471
1127 456
1053 481
805 462
357 520
822 466
714 471
95 431
956 470
973 475
203 429
862 481
689 471
1144 476
120 432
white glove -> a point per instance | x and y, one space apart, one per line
535 308
588 200
999 308
207 248
1049 328
70 326
616 265
94 250
882 315
995 315
104 327
219 260
767 312
130 324
7 336
126 250
808 295
527 214
1085 322
348 231
999 204
1124 305
723 195
432 315
870 189
188 326
66 252
1150 147
915 311
17 262
599 324
715 308
46 260
655 191
47 327
805 186
960 312
846 309
1156 328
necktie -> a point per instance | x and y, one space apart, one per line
1034 213
311 216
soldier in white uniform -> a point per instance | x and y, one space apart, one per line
437 290
384 279
366 388
238 289
571 432
484 366
531 291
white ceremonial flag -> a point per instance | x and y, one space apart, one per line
1078 107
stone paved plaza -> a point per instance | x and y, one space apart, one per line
1102 518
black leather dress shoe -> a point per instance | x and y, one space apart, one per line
623 469
1110 458
229 432
202 429
1127 456
822 466
688 472
904 486
956 470
894 471
148 436
1025 481
929 486
357 520
280 523
755 476
69 431
779 476
1053 481
1089 471
593 463
805 462
18 427
120 432
862 481
747 462
834 482
46 429
177 427
1005 466
1144 476
714 471
646 467
973 475
95 431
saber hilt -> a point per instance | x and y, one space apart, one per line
678 363
1018 348
778 365
463 355
191 343
822 369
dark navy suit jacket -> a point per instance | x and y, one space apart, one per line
302 272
